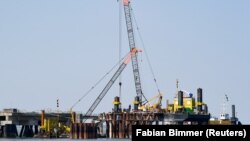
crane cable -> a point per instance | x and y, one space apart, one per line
144 48
98 82
120 45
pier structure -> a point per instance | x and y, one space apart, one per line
29 122
184 110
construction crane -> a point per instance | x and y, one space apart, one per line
131 39
151 105
111 81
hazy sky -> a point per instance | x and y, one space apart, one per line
57 49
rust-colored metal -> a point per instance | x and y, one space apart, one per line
120 124
73 117
83 131
42 118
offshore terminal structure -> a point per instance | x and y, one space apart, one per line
184 110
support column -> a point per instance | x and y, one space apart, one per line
81 131
107 129
36 129
10 131
110 130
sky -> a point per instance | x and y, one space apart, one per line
59 49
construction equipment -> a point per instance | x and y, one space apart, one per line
111 81
187 103
131 39
151 105
53 127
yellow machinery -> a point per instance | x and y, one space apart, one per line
52 127
150 106
188 104
50 124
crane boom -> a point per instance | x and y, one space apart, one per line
131 39
111 81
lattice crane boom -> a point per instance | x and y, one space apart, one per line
131 39
111 81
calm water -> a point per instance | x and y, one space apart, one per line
1 139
